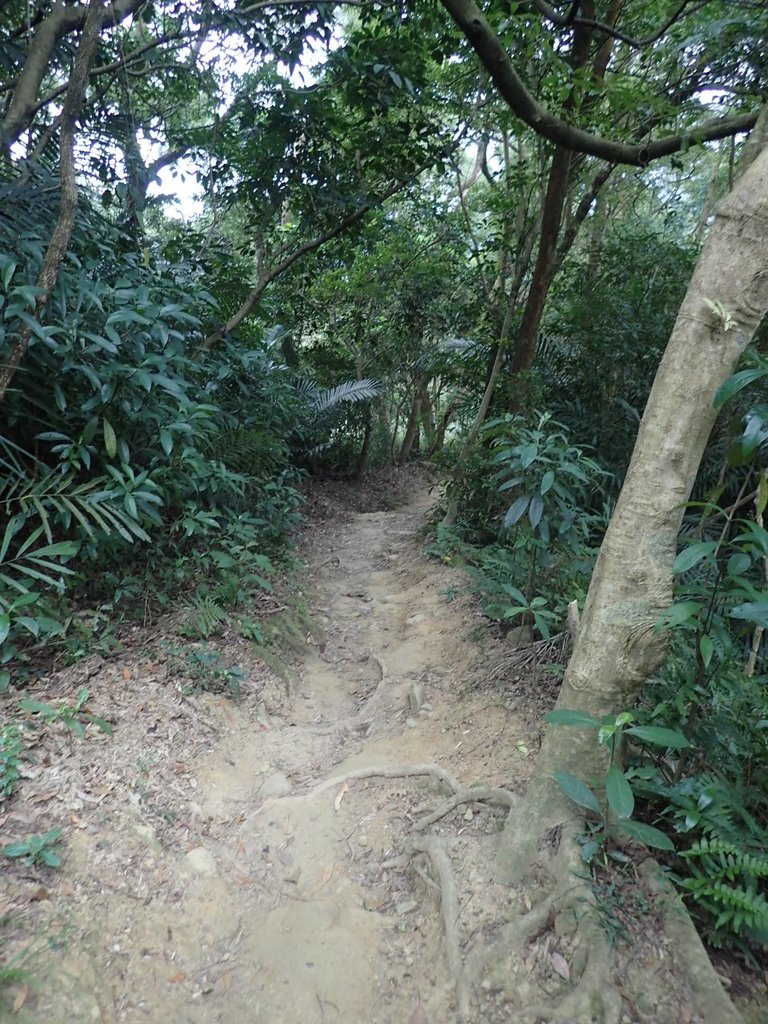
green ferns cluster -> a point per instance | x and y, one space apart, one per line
728 884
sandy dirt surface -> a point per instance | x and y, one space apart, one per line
251 862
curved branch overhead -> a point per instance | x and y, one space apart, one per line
60 22
525 106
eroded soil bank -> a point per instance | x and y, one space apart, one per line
252 862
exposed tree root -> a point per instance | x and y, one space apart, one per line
594 997
559 891
434 848
363 719
401 771
475 794
714 1005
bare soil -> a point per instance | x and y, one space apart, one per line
250 861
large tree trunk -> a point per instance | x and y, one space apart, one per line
617 646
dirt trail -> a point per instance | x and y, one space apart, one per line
231 863
228 878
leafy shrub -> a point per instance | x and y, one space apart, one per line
529 491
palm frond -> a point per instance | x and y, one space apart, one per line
349 391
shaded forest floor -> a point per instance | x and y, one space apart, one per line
252 862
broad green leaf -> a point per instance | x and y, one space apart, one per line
736 383
577 791
535 510
619 793
37 707
89 430
738 563
646 834
659 736
16 850
577 719
546 481
706 649
110 439
9 269
693 554
516 510
678 614
762 494
222 559
528 453
166 441
752 611
5 627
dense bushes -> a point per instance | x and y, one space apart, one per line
136 460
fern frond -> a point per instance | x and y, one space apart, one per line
203 617
349 391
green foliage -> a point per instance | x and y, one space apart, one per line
607 324
38 849
610 801
531 491
207 669
723 882
10 756
74 716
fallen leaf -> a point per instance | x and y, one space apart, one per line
560 965
340 796
177 977
327 874
126 673
21 998
527 902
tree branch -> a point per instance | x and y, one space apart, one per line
609 29
266 277
59 23
496 60
62 233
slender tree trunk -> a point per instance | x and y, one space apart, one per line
427 419
412 428
59 243
442 427
362 458
617 645
545 267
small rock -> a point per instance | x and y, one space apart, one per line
414 620
416 697
406 907
411 723
566 923
519 636
362 840
645 1008
469 816
277 785
201 862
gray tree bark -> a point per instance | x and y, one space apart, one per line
617 646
